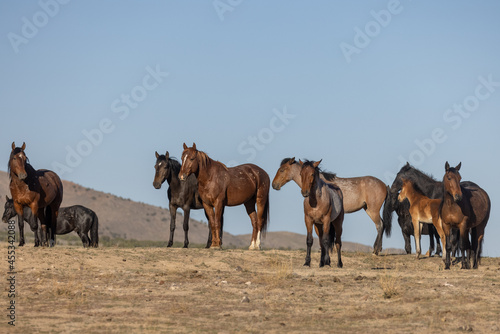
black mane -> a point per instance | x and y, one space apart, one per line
284 161
327 175
172 163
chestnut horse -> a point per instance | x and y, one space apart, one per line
366 192
422 210
220 186
467 207
323 209
41 190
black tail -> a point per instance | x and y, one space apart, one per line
265 217
387 213
331 237
94 232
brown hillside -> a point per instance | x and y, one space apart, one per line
120 217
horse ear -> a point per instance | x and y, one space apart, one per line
446 166
185 146
316 164
167 155
194 146
24 146
458 166
407 164
156 155
13 146
291 161
300 162
6 198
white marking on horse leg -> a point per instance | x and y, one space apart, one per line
257 243
252 245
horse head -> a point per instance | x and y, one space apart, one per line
284 173
9 210
451 181
162 170
190 163
17 161
308 175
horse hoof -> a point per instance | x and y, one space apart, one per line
340 265
307 264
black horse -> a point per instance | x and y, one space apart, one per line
180 194
430 188
73 218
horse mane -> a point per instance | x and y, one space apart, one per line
327 175
411 173
286 160
205 160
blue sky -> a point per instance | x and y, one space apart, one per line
95 88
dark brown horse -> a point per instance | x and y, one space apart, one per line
41 190
323 209
180 194
220 186
467 207
365 192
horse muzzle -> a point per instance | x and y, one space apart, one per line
157 185
305 193
276 186
182 177
23 176
457 197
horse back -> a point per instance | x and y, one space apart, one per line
244 181
51 188
479 202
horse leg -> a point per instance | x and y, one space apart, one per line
262 215
53 211
479 238
209 212
20 223
173 214
431 240
464 240
416 232
250 207
407 238
375 217
321 237
218 212
43 227
185 225
309 240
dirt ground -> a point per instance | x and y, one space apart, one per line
130 290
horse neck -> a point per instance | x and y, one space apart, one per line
412 195
173 178
206 169
296 174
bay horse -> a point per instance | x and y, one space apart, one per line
180 194
366 192
465 206
220 186
323 209
76 218
422 210
40 190
430 188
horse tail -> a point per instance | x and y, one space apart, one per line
387 213
94 231
265 217
331 236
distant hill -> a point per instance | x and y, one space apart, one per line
124 218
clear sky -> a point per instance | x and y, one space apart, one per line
94 88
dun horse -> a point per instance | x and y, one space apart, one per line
467 207
422 210
76 218
366 192
40 190
180 194
323 209
219 186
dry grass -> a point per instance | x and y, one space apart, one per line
149 290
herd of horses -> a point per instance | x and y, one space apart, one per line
451 212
